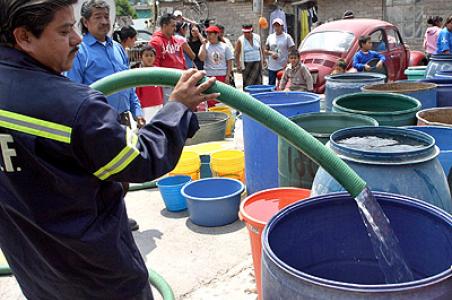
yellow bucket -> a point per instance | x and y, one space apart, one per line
227 110
189 164
228 163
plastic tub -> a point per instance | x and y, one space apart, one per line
212 127
257 209
411 171
213 201
228 163
227 110
319 249
348 83
387 108
294 167
261 144
441 116
170 189
423 91
189 164
259 88
415 73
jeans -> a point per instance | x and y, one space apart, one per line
272 77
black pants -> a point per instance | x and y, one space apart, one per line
146 294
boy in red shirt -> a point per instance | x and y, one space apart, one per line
151 97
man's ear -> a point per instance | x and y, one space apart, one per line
23 38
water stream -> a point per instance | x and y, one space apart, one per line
384 241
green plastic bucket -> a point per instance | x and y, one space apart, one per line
415 73
388 109
295 169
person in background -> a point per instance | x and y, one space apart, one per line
195 40
364 55
126 36
189 55
340 67
217 57
348 14
249 56
63 223
278 45
296 75
228 42
431 35
99 56
169 52
151 97
444 43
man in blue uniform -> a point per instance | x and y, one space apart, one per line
63 225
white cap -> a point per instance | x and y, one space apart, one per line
177 13
279 21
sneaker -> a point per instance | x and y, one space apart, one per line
133 225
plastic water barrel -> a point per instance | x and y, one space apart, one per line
411 171
259 88
294 167
425 92
444 90
388 109
438 63
348 83
439 116
318 249
261 145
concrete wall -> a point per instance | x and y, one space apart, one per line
409 15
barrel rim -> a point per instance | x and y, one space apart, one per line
406 87
429 152
437 124
314 98
343 78
377 113
396 287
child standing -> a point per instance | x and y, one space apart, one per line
364 55
151 97
296 75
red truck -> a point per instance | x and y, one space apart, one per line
324 45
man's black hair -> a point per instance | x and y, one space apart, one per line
362 40
34 15
87 10
294 52
166 19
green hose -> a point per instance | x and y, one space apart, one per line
245 103
161 285
142 186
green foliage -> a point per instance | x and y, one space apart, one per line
123 8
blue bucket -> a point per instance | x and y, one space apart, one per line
259 88
261 144
213 201
170 189
443 139
319 249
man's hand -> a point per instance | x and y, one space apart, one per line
379 65
189 93
141 122
367 67
275 55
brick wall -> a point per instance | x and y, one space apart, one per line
409 15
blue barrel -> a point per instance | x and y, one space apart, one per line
425 92
443 139
319 249
444 90
438 63
444 74
261 145
259 88
411 169
348 83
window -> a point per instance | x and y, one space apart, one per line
335 41
394 41
378 42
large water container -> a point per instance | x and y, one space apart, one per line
319 249
395 160
295 169
437 63
423 91
261 145
348 83
259 88
444 90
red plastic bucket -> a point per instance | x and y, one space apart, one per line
257 209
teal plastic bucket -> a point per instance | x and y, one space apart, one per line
170 189
415 73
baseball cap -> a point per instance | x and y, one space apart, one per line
177 13
213 29
279 21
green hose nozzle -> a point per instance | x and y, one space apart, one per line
245 103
